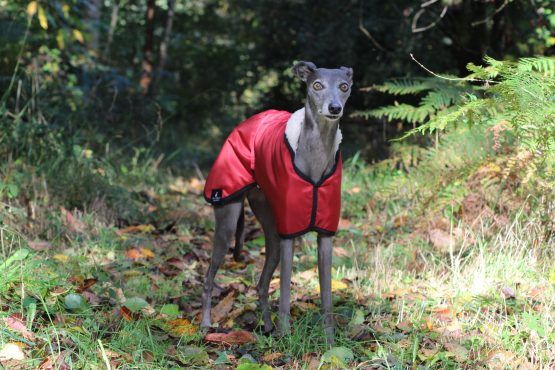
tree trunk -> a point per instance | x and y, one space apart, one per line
146 75
163 54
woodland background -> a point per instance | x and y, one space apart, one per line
113 110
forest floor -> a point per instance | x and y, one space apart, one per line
413 286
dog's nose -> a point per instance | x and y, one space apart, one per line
334 109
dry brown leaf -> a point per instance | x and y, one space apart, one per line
340 252
344 224
138 253
86 285
127 314
461 353
272 356
223 307
55 362
73 224
40 245
233 337
441 240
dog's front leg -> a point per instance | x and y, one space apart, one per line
286 265
325 248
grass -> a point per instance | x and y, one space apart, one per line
443 263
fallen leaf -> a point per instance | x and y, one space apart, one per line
441 240
86 285
138 253
11 351
499 359
344 224
338 356
180 327
272 356
61 258
461 353
40 245
135 304
354 190
127 314
223 307
335 286
17 324
73 224
233 337
55 362
136 229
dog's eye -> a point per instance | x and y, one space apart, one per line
317 86
344 87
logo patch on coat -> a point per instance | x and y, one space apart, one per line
216 195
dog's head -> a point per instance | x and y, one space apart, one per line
327 89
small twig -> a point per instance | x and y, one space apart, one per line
428 3
505 3
367 33
450 78
431 25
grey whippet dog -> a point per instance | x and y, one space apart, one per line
327 93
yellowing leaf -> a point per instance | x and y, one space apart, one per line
336 285
136 229
180 327
61 258
65 9
60 40
32 8
78 36
42 18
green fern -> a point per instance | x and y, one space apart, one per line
521 93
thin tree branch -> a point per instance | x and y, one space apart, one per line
450 78
367 33
431 25
428 3
505 3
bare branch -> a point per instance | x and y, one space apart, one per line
431 25
505 3
367 33
450 78
428 3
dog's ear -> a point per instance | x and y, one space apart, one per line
349 72
303 70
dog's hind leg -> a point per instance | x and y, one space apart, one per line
239 237
263 213
226 224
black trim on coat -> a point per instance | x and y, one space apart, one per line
231 197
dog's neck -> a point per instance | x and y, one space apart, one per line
315 142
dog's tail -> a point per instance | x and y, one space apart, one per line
239 236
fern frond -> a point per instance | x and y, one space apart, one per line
541 64
406 86
405 112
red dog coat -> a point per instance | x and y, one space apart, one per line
258 152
